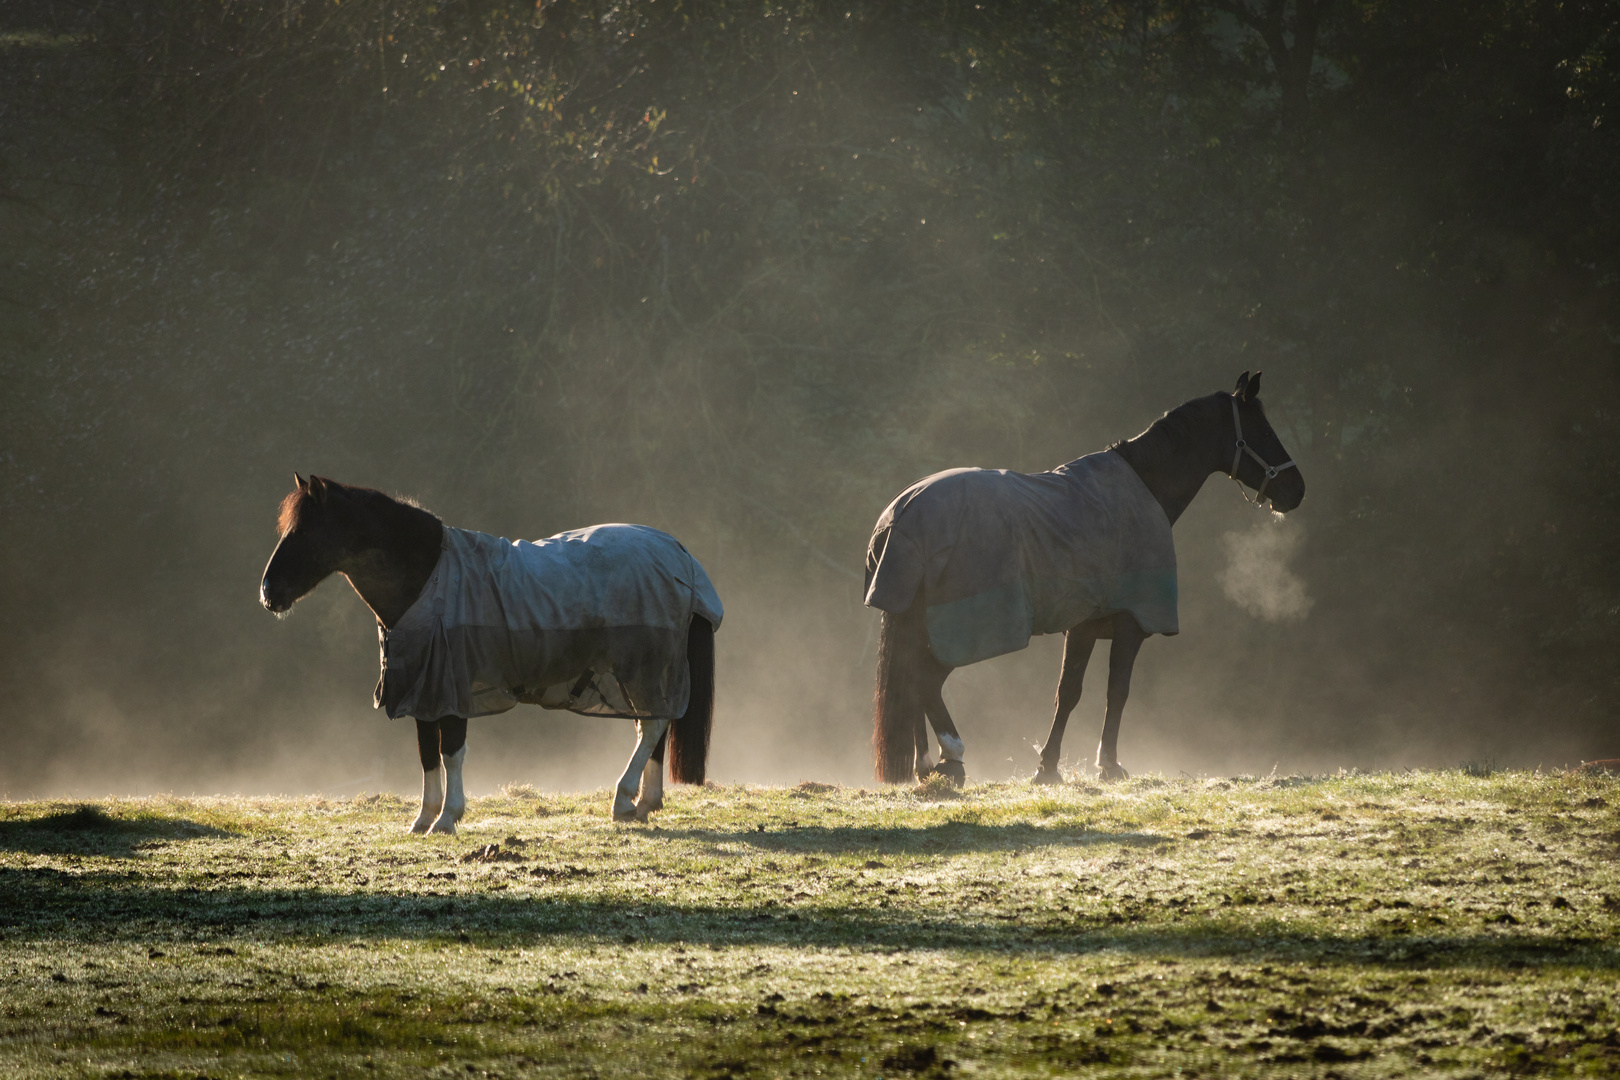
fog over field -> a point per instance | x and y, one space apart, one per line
743 272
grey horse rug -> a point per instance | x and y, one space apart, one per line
593 621
1001 556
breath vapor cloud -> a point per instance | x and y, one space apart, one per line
1256 576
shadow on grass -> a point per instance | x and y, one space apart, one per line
89 830
947 837
47 905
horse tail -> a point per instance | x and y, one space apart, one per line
898 707
689 736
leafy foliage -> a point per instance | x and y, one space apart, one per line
744 269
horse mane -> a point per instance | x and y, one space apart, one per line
299 502
1179 430
292 507
1172 456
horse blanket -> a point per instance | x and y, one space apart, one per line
1001 556
593 621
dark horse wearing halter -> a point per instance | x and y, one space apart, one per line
614 620
968 564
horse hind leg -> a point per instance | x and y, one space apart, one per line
427 746
932 684
923 759
651 735
453 751
651 795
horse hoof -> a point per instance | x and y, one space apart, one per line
954 771
419 826
1047 776
446 825
1115 771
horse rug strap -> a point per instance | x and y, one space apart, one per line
1001 556
594 621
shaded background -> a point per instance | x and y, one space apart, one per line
743 271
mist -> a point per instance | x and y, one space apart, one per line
743 273
1257 576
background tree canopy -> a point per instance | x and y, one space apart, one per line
743 270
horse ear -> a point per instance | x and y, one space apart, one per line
1242 387
298 483
317 488
1254 386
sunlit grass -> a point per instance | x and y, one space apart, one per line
1435 923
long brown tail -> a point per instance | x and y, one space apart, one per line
898 708
689 736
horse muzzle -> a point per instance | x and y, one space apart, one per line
1286 497
275 606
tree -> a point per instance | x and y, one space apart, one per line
1290 29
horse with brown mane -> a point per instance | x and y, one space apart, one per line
613 620
970 563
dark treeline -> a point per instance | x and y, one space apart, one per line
743 270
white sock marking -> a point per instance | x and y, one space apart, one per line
432 800
455 798
651 796
624 796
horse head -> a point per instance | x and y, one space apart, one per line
1259 459
313 544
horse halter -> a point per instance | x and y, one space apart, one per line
1237 458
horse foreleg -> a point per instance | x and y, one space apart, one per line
1128 638
453 751
427 748
931 684
625 807
1077 645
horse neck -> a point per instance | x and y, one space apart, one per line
1180 450
393 553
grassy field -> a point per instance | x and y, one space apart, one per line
1426 924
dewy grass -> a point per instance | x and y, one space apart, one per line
1433 924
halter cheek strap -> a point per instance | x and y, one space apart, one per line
1237 458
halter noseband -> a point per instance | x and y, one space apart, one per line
1237 458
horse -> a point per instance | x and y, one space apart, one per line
613 620
970 563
